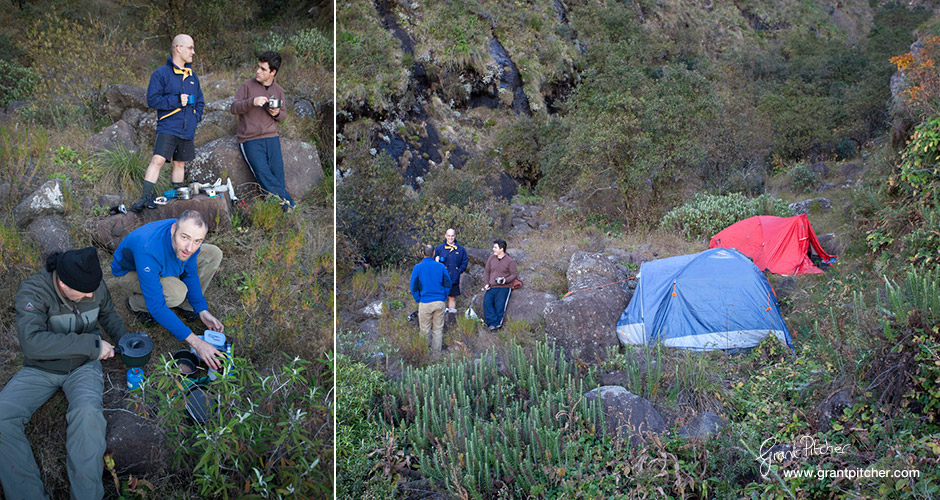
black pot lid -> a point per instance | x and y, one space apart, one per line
136 345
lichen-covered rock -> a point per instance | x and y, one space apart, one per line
51 233
702 426
47 200
119 98
628 415
222 158
113 137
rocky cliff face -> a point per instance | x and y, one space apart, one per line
453 75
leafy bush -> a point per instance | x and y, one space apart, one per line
217 27
475 223
456 186
922 90
705 214
265 435
519 147
313 47
919 172
66 72
802 178
284 293
906 226
373 211
358 433
16 82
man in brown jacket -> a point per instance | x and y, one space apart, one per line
498 275
258 104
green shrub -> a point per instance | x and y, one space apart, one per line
456 186
475 223
124 168
66 73
919 173
283 293
358 433
705 215
802 178
519 147
313 47
268 434
374 212
16 82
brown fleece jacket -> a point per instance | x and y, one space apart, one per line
495 267
254 122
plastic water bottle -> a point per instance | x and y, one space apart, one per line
134 377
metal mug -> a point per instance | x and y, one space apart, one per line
184 193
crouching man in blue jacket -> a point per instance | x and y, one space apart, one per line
430 283
166 264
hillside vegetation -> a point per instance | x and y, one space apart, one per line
648 125
272 428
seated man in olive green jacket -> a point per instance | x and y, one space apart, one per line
60 313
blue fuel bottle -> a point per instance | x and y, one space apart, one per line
134 377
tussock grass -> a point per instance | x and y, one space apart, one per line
369 61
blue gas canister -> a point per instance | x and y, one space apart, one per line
134 378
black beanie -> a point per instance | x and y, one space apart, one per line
79 269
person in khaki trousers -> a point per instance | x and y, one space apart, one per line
166 264
430 283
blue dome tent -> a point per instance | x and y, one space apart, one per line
717 299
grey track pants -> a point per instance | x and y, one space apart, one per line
26 391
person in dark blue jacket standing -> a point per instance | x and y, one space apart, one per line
454 258
430 283
175 93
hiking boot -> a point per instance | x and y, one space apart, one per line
146 201
142 317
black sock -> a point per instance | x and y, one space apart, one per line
148 189
177 185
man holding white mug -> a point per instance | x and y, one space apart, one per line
175 93
258 105
498 275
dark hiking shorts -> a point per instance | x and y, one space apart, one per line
174 148
454 290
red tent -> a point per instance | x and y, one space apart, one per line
776 244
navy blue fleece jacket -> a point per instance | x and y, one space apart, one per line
167 83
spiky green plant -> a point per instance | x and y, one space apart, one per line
498 423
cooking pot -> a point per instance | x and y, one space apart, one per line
134 349
187 362
184 193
